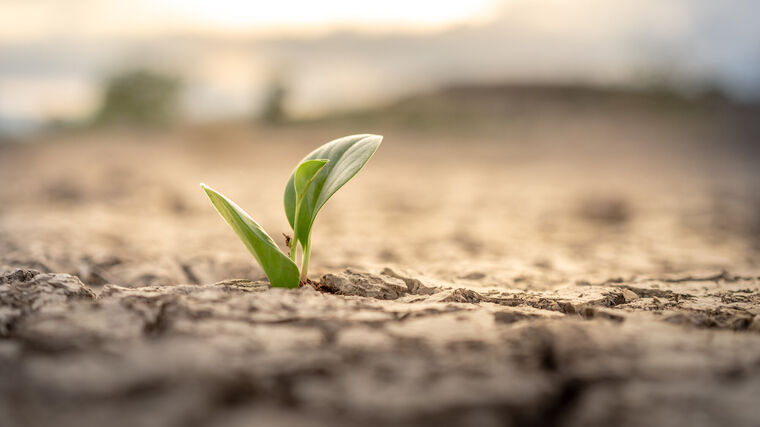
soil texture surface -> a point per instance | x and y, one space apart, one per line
478 284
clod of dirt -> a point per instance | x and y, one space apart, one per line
364 285
458 295
25 291
31 289
414 285
629 295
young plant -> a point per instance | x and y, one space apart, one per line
312 183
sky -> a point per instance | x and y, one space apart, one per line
337 54
28 20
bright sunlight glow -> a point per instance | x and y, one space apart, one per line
44 19
243 13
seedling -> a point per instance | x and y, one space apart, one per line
312 183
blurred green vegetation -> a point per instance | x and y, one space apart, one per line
273 109
140 98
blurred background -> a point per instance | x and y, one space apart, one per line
73 61
551 140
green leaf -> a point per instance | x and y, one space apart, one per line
280 270
303 178
346 157
305 174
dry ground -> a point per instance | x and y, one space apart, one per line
581 274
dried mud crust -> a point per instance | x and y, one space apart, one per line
380 349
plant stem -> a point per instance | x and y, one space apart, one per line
293 248
294 240
305 259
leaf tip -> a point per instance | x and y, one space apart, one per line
208 190
376 139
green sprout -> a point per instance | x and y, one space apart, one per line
319 175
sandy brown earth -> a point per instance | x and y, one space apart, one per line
493 282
